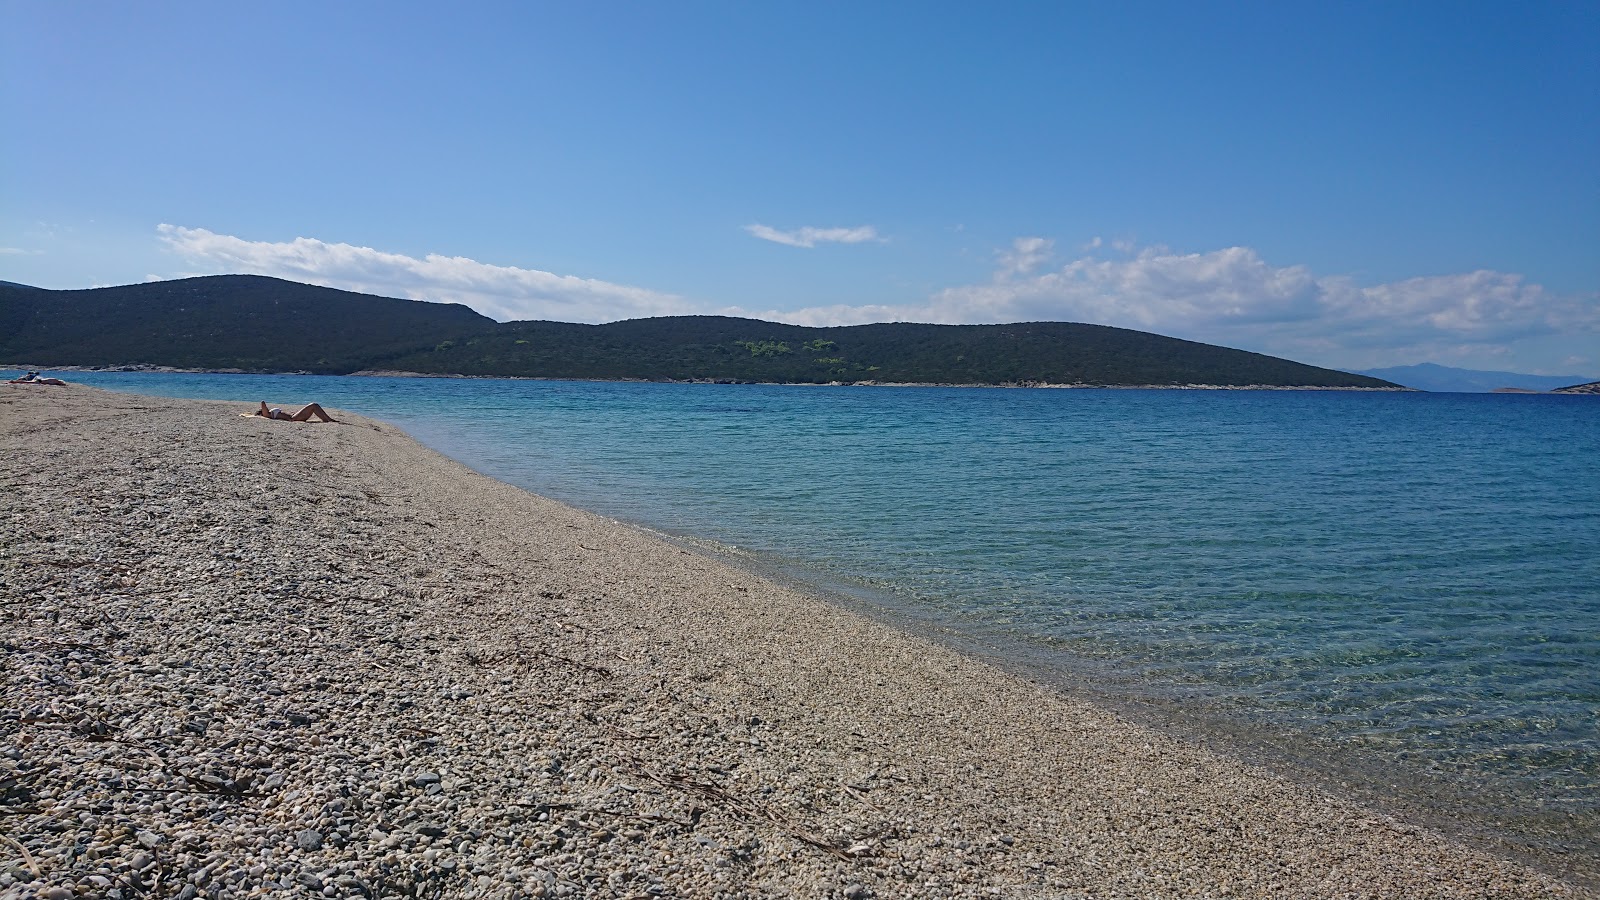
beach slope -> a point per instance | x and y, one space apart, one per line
256 658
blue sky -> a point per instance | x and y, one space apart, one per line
1346 184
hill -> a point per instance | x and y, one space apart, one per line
246 322
1592 387
1434 377
715 347
259 324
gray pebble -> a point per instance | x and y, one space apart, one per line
331 639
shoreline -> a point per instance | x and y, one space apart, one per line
386 373
1456 805
361 660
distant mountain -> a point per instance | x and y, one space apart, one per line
1592 387
1433 377
258 324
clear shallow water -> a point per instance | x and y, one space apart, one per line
1410 582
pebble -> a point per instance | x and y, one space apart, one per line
259 659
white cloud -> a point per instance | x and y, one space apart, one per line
1235 298
19 251
810 237
1231 297
500 292
1026 254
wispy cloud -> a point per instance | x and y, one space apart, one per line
810 237
19 251
48 230
500 292
1026 255
1235 298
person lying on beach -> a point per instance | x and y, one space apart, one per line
304 415
33 378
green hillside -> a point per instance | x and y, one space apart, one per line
268 325
222 322
690 347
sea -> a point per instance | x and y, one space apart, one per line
1394 594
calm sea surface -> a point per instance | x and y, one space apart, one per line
1400 589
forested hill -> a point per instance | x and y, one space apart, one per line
259 324
243 322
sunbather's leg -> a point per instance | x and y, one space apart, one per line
312 409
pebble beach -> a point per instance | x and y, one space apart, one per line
253 658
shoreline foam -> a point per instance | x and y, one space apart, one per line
243 654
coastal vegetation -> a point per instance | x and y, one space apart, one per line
258 324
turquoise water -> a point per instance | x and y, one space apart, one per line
1405 583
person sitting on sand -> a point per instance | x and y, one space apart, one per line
304 415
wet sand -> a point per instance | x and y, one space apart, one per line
255 658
